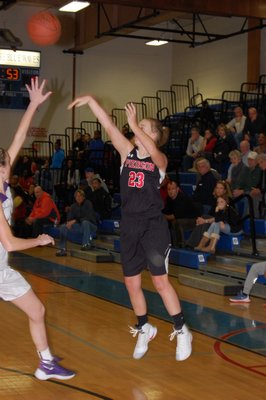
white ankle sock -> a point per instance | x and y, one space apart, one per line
45 355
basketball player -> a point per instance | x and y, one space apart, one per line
144 232
13 287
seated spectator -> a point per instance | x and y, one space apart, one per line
203 222
180 212
225 220
244 148
16 189
44 212
35 172
22 164
26 180
86 184
258 193
236 125
194 148
203 193
19 215
30 198
209 141
128 134
225 143
101 200
261 148
163 189
253 175
81 219
239 172
254 124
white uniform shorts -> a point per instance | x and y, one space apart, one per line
12 284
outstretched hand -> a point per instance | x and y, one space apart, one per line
36 91
131 114
45 239
79 101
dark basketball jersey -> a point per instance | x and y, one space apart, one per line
139 186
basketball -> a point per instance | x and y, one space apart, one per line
44 28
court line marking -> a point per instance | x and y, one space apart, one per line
218 350
76 388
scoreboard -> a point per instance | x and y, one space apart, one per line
17 67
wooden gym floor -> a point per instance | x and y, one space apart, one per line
88 314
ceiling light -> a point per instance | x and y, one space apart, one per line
75 6
156 42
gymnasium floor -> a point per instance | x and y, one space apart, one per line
88 314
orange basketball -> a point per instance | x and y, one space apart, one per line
44 28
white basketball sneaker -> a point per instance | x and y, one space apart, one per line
184 339
145 334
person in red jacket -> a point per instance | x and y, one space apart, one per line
44 212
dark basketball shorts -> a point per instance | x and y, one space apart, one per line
145 243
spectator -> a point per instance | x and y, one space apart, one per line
77 145
225 220
15 187
225 143
83 154
256 270
86 184
81 219
203 194
244 148
180 212
236 125
258 193
261 148
22 164
128 134
57 162
26 180
46 181
101 200
254 124
58 156
202 223
194 148
239 173
205 117
253 175
96 147
44 212
70 180
163 189
209 142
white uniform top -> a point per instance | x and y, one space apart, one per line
12 283
7 205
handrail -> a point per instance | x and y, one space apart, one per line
251 217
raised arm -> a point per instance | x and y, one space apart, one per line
12 243
36 98
150 145
122 145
